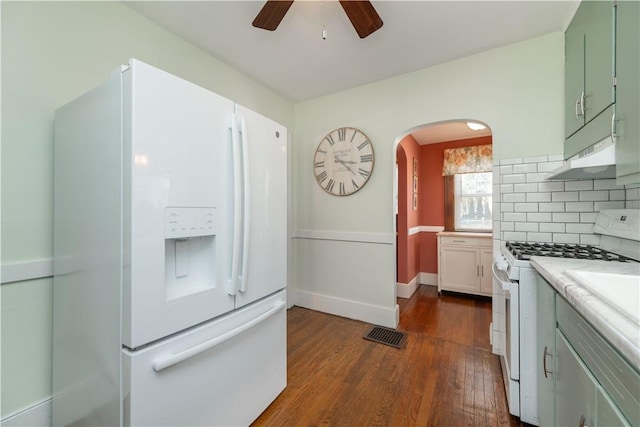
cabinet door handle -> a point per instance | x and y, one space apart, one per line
576 109
545 353
613 127
580 102
477 270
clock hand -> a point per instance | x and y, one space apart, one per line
343 163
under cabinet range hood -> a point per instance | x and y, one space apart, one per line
595 162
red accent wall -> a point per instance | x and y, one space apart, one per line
419 252
408 261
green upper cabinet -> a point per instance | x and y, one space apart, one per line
589 75
628 92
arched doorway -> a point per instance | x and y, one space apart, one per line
420 194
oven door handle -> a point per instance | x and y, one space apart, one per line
501 277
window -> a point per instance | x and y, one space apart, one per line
473 201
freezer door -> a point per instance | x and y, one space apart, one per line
263 249
223 373
177 204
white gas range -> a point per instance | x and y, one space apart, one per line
514 299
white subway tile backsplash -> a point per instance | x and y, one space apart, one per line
513 178
506 169
566 217
579 207
551 207
539 216
514 216
565 196
507 226
537 159
552 227
536 177
539 237
598 206
525 168
525 188
510 161
526 226
566 238
590 239
578 185
602 195
632 193
506 188
588 217
617 195
530 207
605 184
538 197
514 197
514 235
549 166
506 207
551 186
526 207
579 228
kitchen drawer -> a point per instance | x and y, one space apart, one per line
464 241
617 377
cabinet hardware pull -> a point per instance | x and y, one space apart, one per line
459 241
613 127
577 102
477 270
545 353
582 108
482 270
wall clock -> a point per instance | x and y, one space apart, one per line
343 161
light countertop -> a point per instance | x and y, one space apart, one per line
465 234
622 332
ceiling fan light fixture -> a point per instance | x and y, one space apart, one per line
475 126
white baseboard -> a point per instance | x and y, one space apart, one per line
405 290
429 279
369 313
39 415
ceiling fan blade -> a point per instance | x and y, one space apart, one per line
271 14
363 16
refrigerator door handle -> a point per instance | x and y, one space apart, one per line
237 207
163 363
246 209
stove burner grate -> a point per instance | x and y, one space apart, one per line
525 250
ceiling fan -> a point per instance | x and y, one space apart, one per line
362 15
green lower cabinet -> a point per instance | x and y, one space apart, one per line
546 350
575 388
607 414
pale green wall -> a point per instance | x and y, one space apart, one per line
517 90
51 53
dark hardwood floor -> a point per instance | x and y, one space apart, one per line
445 375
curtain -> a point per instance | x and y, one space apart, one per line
478 158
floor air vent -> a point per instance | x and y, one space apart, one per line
386 336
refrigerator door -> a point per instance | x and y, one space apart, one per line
222 373
264 237
177 204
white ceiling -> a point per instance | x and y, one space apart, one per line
297 63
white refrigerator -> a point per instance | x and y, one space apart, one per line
170 248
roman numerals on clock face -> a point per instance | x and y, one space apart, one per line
343 161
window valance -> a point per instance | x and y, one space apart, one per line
475 159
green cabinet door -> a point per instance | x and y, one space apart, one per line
628 92
607 413
589 72
598 58
574 72
546 326
575 387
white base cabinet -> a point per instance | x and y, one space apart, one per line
464 263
